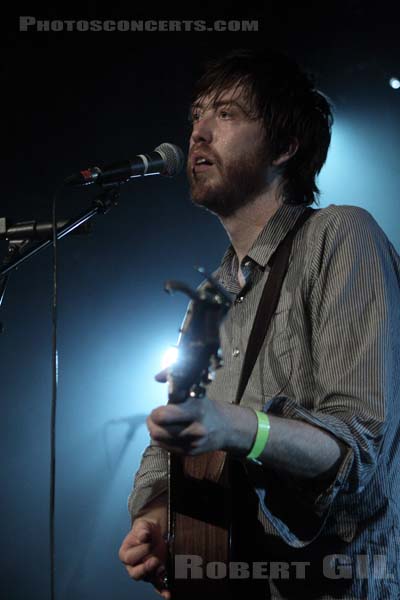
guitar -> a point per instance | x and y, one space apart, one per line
199 494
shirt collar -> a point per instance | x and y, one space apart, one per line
274 232
264 246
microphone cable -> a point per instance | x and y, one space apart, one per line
53 415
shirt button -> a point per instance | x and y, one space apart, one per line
235 352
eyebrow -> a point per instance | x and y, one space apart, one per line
220 103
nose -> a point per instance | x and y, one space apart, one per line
202 131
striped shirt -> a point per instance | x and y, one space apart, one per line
331 358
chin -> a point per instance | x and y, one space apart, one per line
217 205
204 197
202 193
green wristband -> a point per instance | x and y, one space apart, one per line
261 440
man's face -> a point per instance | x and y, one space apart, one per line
232 141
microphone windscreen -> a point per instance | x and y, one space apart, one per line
173 157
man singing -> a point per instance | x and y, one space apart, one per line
318 426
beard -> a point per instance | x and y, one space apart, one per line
231 185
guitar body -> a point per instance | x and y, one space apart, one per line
213 525
200 526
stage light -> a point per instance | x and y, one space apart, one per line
394 83
170 356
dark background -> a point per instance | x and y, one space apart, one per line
73 100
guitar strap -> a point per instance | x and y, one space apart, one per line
278 262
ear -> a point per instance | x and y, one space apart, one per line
291 151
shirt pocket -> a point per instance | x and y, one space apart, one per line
273 368
279 323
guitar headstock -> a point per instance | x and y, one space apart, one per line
199 343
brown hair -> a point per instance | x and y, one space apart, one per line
284 96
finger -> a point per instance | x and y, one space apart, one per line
142 531
183 448
139 534
168 441
193 432
146 570
135 555
160 434
160 584
137 572
186 412
171 432
163 592
170 414
152 564
162 376
174 438
137 541
161 571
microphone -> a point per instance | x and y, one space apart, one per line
166 159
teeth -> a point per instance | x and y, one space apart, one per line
200 161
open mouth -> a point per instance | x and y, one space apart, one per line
201 164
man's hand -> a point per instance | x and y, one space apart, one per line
200 425
143 553
144 550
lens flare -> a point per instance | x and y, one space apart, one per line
170 357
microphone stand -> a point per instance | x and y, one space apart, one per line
19 251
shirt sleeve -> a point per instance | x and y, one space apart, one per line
151 479
353 303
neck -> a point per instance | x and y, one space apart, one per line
246 224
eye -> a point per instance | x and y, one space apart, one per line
225 114
194 116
